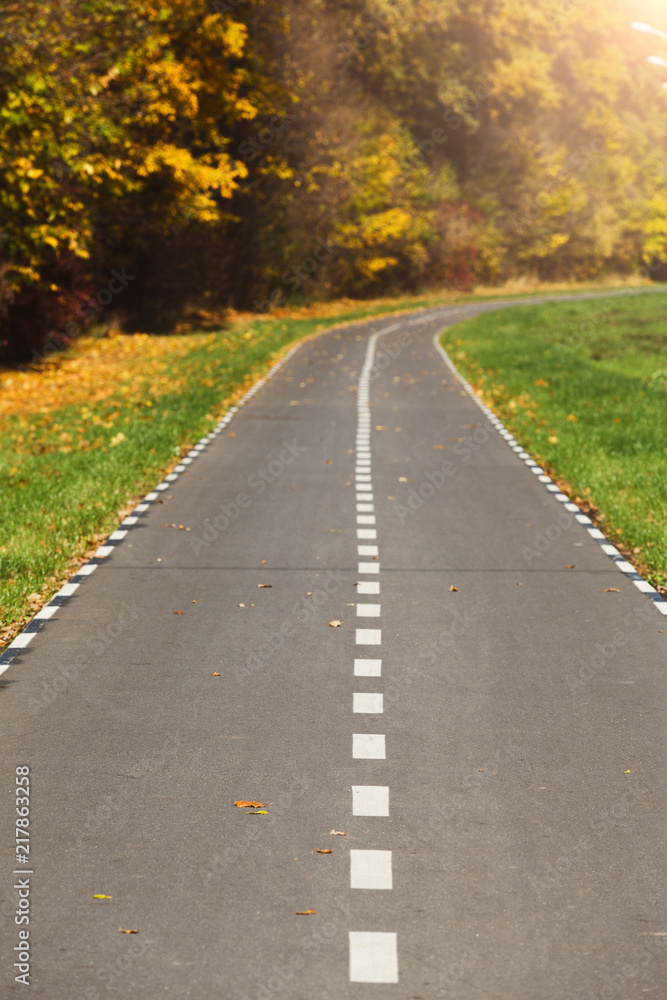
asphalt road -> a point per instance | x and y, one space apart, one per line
486 726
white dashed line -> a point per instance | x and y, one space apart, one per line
368 610
368 587
365 567
368 636
367 668
370 800
364 703
368 746
370 870
373 957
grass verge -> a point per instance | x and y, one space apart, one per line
93 428
583 387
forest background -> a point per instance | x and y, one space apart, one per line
249 154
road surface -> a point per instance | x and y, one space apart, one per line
486 726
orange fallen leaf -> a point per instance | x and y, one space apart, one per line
242 804
193 602
232 435
324 850
571 566
609 590
177 612
264 561
240 605
305 913
350 451
454 588
216 675
337 833
123 931
541 381
329 461
439 447
264 586
309 593
336 623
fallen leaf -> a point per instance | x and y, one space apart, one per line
100 896
305 913
123 931
34 597
309 593
177 612
480 768
541 381
350 451
553 439
571 416
232 435
159 560
519 585
626 772
181 527
439 447
454 588
324 850
216 675
264 561
292 487
242 804
336 623
571 566
257 812
193 602
350 605
391 498
264 586
329 461
240 605
398 428
337 833
609 590
380 428
402 479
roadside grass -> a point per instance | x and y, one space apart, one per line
89 431
583 387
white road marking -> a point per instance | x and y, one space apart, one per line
365 518
366 533
370 870
366 703
370 800
368 587
367 550
368 746
373 567
368 610
365 508
368 637
361 497
367 668
373 957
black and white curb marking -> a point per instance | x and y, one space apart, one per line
116 537
619 561
373 954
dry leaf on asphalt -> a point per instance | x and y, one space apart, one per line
329 461
571 566
350 451
123 931
609 590
337 833
264 561
240 605
454 588
309 593
263 586
242 804
402 479
232 435
100 896
305 913
324 850
177 612
336 622
216 675
257 812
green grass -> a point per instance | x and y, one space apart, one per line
600 421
